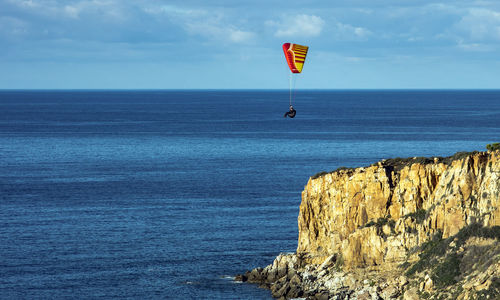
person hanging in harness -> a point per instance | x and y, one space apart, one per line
291 113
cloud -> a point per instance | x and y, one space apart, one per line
106 21
239 36
13 27
349 32
26 3
176 11
298 26
217 32
480 24
468 24
474 47
213 25
54 9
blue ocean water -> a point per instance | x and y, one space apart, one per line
167 194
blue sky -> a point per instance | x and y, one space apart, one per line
154 44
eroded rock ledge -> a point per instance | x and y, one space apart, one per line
410 228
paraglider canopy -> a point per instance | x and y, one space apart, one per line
295 56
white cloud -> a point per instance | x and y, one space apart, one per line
72 11
347 31
239 36
298 26
218 32
475 47
109 9
28 3
480 24
176 11
209 24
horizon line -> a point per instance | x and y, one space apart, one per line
248 89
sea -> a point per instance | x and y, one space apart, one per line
168 194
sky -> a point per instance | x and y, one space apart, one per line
232 44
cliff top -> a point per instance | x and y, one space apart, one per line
398 163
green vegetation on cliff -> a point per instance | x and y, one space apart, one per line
451 260
493 147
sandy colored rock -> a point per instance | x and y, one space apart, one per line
411 294
375 215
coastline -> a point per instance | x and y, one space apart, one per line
433 233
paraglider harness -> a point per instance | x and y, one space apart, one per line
291 113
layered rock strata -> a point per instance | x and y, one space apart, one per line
377 214
368 233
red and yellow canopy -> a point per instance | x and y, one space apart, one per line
295 56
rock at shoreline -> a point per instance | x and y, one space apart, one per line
414 228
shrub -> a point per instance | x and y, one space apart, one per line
381 222
318 175
493 147
430 251
339 263
433 250
419 215
477 230
445 273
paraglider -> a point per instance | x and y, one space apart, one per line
295 57
291 113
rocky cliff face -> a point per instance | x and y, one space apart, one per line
378 214
401 228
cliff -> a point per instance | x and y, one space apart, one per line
411 228
378 214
